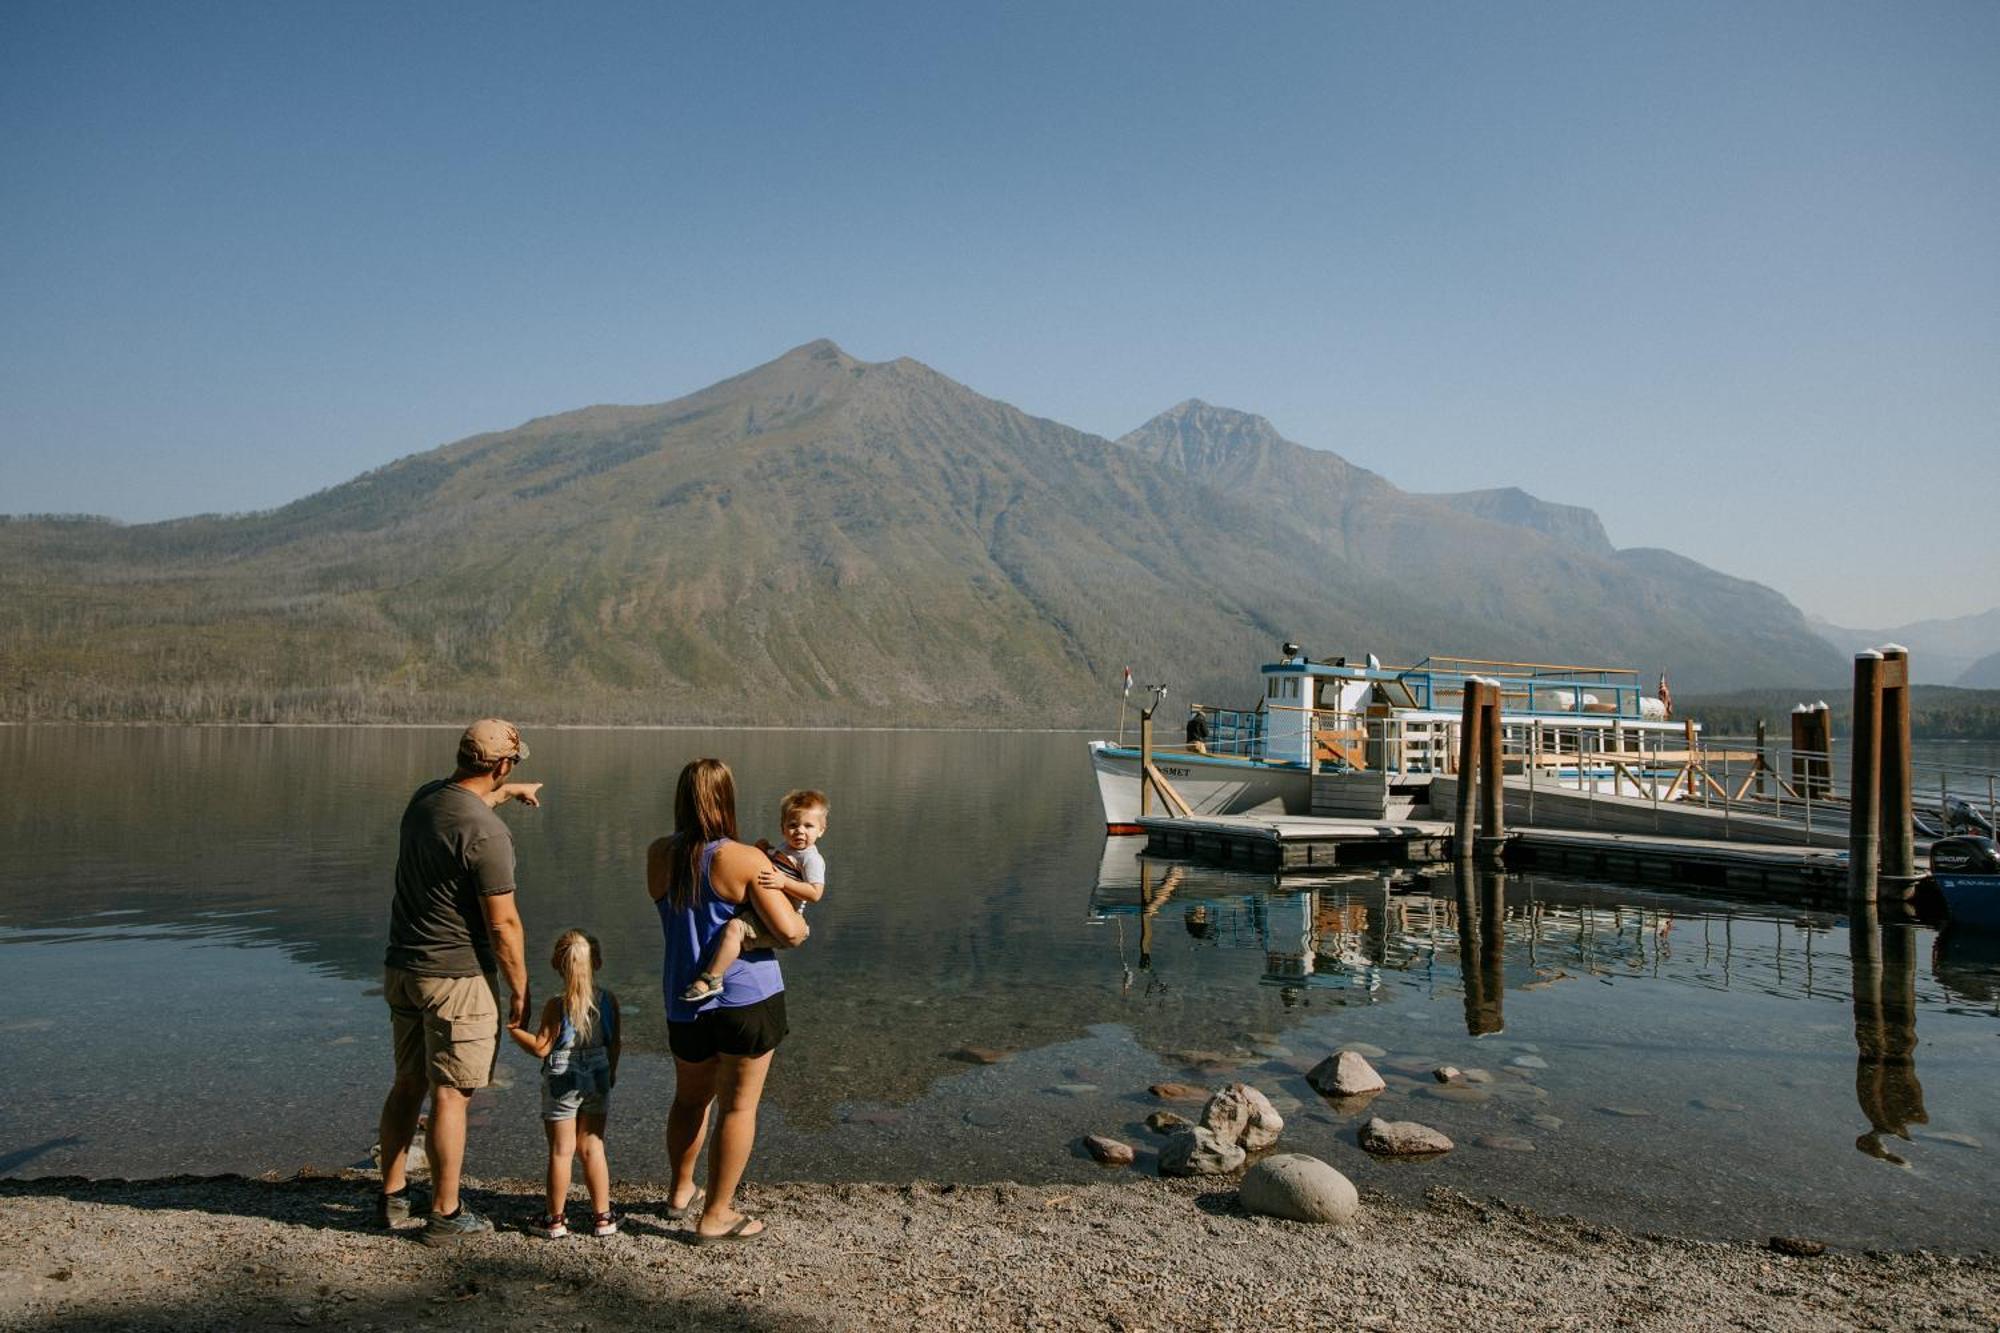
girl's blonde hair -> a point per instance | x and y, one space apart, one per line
576 960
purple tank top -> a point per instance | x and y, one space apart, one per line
690 936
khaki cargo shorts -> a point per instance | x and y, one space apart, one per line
447 1028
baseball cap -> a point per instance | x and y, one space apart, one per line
490 740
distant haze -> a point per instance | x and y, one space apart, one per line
1724 274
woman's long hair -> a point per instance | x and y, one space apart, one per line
577 959
704 810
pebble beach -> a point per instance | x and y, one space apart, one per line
233 1252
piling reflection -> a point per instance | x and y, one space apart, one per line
1883 961
1482 946
1346 938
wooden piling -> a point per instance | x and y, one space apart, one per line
1801 775
1812 751
1763 758
1822 738
1492 776
1864 789
1471 718
1145 763
1899 848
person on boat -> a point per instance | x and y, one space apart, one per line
1197 730
452 925
698 877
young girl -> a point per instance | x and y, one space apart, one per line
578 1044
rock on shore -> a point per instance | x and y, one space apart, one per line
1298 1187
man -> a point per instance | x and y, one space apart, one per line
453 921
1197 731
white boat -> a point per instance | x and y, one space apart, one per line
1387 730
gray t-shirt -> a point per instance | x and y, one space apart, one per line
455 851
810 863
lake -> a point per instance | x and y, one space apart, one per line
191 927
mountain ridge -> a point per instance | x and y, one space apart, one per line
815 539
1949 650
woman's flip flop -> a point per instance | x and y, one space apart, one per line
735 1232
690 1210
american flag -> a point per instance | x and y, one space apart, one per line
1666 695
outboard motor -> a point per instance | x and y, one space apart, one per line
1965 856
1962 816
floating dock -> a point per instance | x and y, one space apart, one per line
1295 842
1306 843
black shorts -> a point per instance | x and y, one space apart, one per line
747 1030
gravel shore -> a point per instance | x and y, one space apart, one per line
229 1252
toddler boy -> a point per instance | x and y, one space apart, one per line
800 875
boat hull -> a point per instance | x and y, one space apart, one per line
1210 784
1971 900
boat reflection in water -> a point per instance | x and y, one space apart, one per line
1337 938
1369 939
1307 938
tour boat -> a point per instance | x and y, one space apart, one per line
1393 728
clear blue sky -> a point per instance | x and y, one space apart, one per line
1727 273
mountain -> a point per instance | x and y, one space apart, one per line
1942 652
825 540
1497 573
1572 525
1983 674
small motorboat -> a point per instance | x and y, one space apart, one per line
1966 873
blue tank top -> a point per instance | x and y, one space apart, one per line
690 937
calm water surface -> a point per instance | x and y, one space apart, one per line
191 925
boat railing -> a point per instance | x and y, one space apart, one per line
1799 783
1529 687
1419 743
1237 732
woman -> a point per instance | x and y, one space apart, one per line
699 877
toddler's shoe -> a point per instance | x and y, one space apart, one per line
554 1228
603 1224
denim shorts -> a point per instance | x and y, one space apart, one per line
576 1082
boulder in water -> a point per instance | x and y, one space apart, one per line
1347 1074
1199 1151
